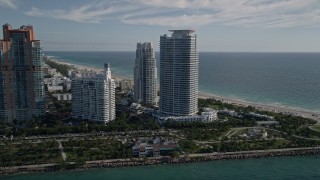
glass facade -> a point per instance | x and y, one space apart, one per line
179 69
21 76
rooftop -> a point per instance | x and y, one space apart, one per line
183 31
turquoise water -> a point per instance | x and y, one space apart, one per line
283 79
306 167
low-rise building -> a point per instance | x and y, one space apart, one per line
52 71
230 112
46 69
209 116
205 117
67 84
125 85
159 147
135 106
260 116
55 88
63 96
57 82
81 73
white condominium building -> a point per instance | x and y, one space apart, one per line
145 75
179 69
93 96
205 117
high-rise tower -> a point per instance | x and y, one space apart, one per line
179 69
145 74
21 76
93 96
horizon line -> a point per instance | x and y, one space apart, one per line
198 51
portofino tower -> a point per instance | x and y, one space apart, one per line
21 75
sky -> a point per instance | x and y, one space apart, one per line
220 25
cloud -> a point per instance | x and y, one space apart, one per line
88 13
194 13
182 4
181 21
247 13
8 4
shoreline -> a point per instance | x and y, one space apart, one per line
135 162
266 107
90 68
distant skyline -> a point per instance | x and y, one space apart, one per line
221 25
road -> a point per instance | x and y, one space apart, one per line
63 154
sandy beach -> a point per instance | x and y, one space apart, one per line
272 108
286 110
117 77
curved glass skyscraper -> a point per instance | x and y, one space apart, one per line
145 74
179 72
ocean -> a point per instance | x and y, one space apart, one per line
280 79
283 79
304 167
